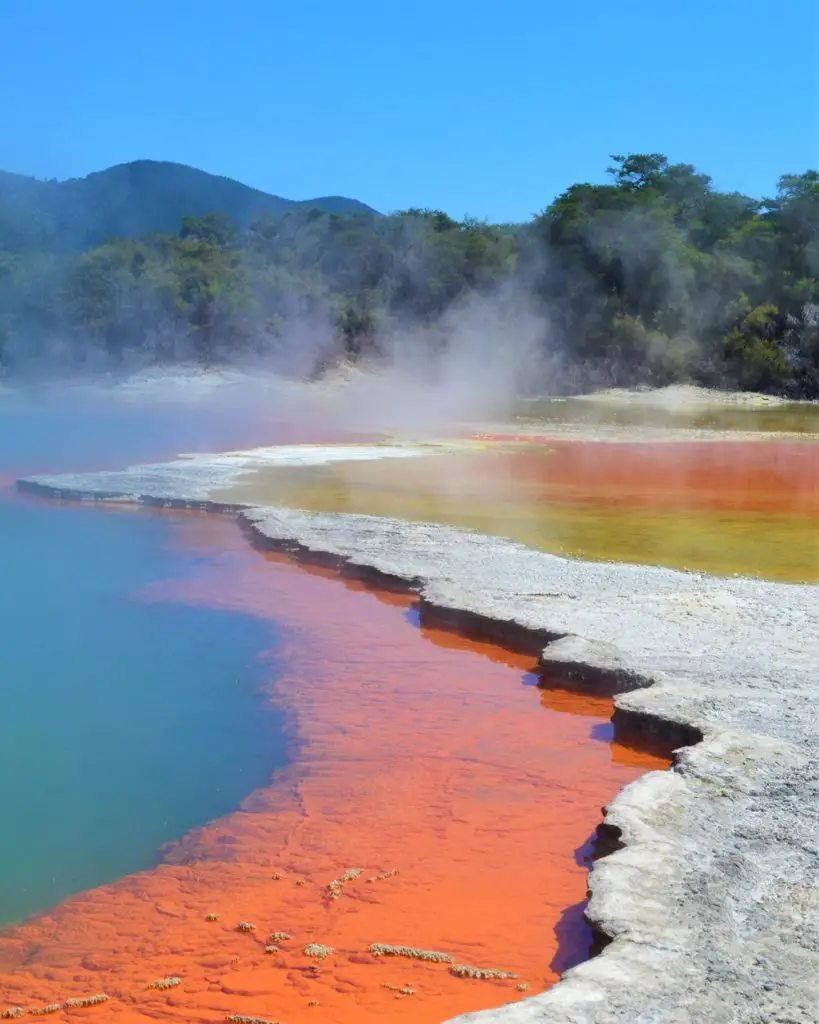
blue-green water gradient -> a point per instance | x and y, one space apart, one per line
123 723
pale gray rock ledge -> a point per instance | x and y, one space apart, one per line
712 904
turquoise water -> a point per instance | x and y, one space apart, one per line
123 723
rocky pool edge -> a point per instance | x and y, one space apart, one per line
711 904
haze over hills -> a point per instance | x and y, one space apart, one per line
143 197
655 277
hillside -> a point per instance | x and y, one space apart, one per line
129 200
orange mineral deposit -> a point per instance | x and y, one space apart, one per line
755 476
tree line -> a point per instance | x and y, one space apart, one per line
655 277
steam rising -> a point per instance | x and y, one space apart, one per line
415 324
468 367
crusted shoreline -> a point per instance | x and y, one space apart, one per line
711 904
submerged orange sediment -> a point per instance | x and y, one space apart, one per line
433 801
754 476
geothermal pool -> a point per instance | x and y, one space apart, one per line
432 796
197 735
465 795
724 507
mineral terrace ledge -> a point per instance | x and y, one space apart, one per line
712 904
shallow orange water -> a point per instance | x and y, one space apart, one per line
413 751
722 507
754 476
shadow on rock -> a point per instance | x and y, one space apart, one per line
576 942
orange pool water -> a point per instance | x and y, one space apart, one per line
413 751
722 507
754 476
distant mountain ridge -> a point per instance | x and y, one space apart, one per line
137 198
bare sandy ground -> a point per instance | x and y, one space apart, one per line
679 397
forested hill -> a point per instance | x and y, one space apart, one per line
654 277
141 198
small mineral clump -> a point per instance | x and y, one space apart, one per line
211 917
239 1018
280 936
73 1004
300 881
383 875
382 949
277 876
351 874
486 973
164 983
12 1012
271 949
522 987
402 990
317 950
245 926
44 1011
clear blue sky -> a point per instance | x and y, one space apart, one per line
479 107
